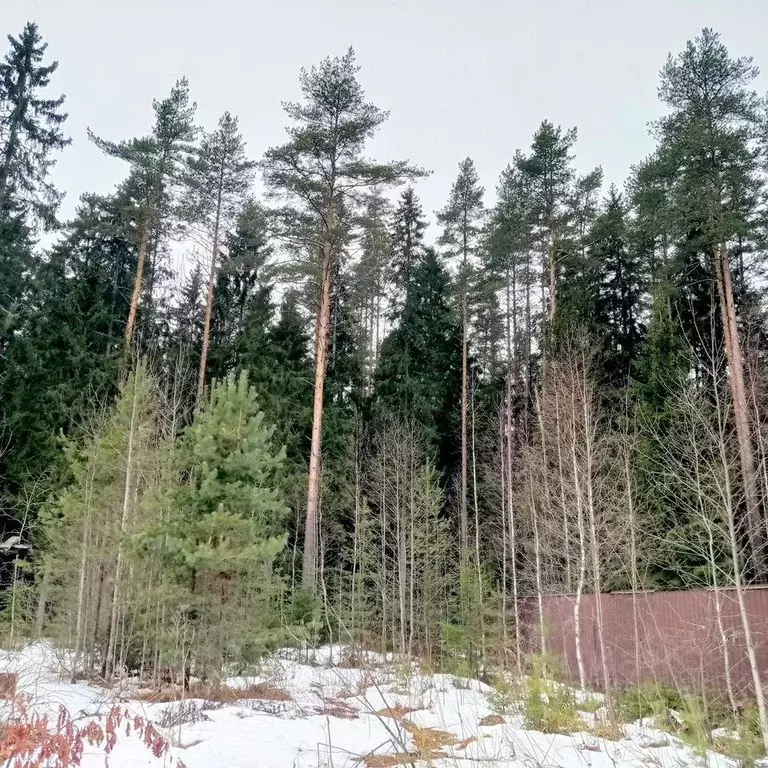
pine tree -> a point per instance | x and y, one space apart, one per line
226 528
707 139
461 220
157 162
549 172
509 249
218 179
321 173
30 128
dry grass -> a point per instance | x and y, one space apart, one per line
401 758
493 720
427 742
462 745
337 708
220 693
608 730
428 739
397 712
8 683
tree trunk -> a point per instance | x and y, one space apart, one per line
136 295
209 300
740 411
552 282
309 570
507 470
128 495
464 409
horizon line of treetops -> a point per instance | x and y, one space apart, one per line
569 391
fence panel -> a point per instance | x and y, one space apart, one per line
681 638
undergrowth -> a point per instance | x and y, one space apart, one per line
30 740
549 707
695 718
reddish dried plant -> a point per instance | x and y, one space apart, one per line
29 740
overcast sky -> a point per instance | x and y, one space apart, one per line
459 78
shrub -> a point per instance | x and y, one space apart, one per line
505 697
30 740
549 707
647 700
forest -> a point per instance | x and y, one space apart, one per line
257 396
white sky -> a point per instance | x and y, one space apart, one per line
459 78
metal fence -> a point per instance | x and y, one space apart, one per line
686 638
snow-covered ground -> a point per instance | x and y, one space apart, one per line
337 717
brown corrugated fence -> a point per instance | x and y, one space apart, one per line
673 637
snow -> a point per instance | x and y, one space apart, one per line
334 719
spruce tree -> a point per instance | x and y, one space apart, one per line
243 294
16 264
368 280
30 128
418 378
659 377
62 358
407 241
617 307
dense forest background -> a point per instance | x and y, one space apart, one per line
229 422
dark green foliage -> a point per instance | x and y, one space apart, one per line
659 376
419 371
16 265
407 240
62 360
227 524
30 128
618 303
242 297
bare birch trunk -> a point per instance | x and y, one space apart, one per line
552 282
512 341
127 497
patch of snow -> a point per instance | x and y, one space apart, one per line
336 716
